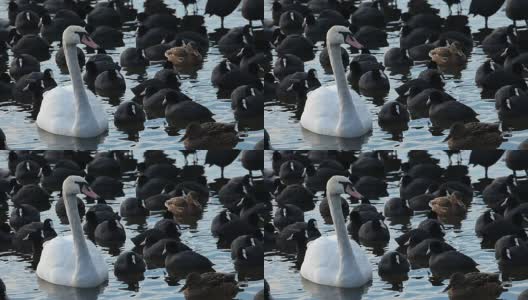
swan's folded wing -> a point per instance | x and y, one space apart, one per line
321 261
362 260
321 106
57 105
56 261
363 111
98 110
98 261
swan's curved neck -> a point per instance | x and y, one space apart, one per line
82 106
346 106
347 261
83 261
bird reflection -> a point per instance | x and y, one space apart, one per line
60 292
329 292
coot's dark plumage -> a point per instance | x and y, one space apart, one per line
485 158
445 263
485 8
393 265
129 267
222 8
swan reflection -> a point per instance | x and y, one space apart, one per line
61 142
329 292
61 292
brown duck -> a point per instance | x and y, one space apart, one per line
210 286
450 205
184 56
186 205
448 56
210 136
475 135
476 285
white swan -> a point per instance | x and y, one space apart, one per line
72 260
337 110
336 260
71 110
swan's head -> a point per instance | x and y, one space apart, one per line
74 35
338 185
338 35
74 185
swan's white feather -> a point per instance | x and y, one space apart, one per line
57 264
321 264
57 114
321 114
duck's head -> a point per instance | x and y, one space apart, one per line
193 279
456 197
193 130
74 35
192 199
457 130
338 35
456 279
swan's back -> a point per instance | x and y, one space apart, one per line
321 114
322 262
57 264
57 114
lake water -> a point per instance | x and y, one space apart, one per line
22 282
286 132
286 282
22 133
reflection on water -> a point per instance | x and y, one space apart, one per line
331 142
60 292
60 142
329 292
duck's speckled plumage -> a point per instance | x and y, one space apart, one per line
474 135
210 136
